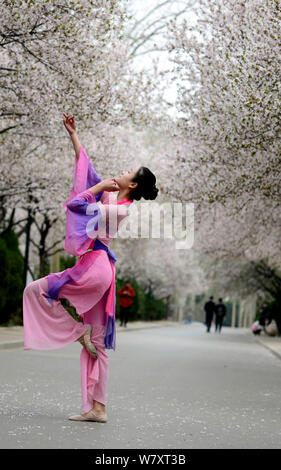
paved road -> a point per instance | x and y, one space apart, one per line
170 388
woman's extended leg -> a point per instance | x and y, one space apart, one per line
47 326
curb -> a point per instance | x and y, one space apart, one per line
11 344
273 351
20 344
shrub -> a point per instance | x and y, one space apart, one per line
11 279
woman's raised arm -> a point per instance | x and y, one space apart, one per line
109 184
69 124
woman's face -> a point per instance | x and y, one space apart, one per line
126 178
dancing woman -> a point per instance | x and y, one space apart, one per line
89 285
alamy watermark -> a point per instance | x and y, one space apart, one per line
168 220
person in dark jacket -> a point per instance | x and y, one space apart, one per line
220 314
210 309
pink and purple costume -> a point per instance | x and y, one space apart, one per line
89 285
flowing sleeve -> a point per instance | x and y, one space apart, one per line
84 177
82 211
82 218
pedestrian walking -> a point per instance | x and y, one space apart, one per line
126 296
209 308
90 284
220 314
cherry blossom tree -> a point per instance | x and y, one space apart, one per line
228 67
224 142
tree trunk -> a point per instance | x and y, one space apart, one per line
27 243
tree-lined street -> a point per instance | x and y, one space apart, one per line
181 99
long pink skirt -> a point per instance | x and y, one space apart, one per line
49 326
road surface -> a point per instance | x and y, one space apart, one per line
174 387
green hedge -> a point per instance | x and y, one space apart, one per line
11 280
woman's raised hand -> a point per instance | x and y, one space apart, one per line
69 123
110 185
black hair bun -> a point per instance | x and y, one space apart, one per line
151 193
146 187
